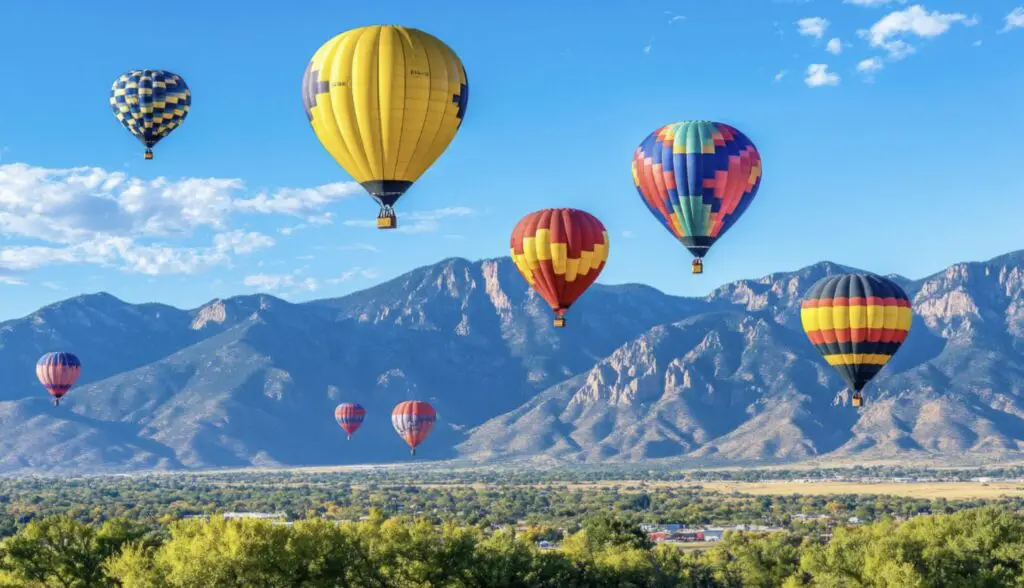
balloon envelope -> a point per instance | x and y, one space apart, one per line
857 322
58 372
413 420
560 252
385 102
150 104
697 178
349 416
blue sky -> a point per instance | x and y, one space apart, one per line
890 133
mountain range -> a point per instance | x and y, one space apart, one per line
637 376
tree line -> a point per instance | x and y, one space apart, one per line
973 548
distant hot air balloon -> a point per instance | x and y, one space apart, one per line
857 321
385 101
350 416
150 103
697 178
58 372
413 420
560 252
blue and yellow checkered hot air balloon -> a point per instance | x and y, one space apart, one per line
150 103
697 178
385 102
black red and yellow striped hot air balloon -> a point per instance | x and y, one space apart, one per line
349 416
58 372
560 252
858 322
385 101
413 420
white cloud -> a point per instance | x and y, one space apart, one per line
273 282
870 65
326 218
298 200
354 273
676 18
359 247
1014 20
814 26
94 216
780 75
818 75
835 46
426 221
914 21
647 47
977 43
287 231
627 234
11 281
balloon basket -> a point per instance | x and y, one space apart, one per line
148 155
56 401
387 222
697 266
857 401
559 323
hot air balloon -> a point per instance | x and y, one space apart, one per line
350 416
413 420
58 372
560 252
385 101
697 178
150 103
857 321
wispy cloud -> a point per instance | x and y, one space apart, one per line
814 26
674 18
818 75
359 247
426 221
1014 20
276 282
11 281
627 234
354 274
834 46
781 74
648 47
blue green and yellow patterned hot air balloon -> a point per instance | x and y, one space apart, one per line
697 178
150 103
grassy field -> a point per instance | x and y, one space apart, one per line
947 490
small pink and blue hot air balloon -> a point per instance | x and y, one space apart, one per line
58 372
350 416
413 420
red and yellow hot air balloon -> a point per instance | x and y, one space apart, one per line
413 420
560 252
58 372
857 322
349 416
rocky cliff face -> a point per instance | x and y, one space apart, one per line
637 375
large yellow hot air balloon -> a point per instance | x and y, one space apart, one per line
385 101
